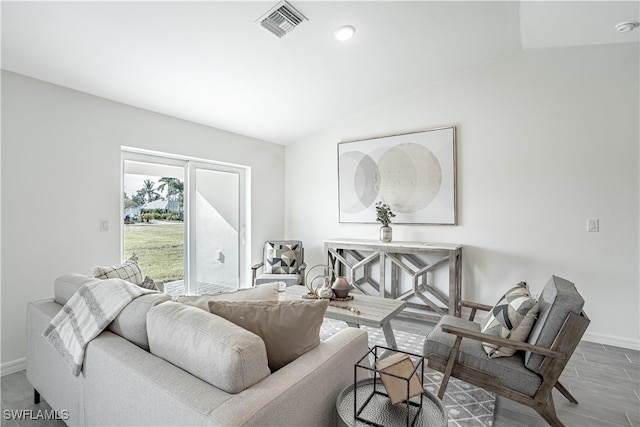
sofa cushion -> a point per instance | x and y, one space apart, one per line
510 370
131 323
207 346
559 298
512 317
266 292
66 285
128 270
289 328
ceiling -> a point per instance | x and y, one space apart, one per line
210 62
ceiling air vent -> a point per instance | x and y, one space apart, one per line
281 19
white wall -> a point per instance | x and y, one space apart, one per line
61 175
546 139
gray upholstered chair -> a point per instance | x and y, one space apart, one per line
283 261
454 347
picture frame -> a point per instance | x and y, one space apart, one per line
414 173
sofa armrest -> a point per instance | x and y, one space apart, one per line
47 371
304 392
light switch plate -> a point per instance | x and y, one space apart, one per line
593 225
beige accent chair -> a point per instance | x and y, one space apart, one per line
454 347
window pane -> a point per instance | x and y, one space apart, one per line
217 236
154 221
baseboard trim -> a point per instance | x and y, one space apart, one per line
13 366
612 341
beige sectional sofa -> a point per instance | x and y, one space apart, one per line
220 381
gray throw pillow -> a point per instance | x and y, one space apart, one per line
288 328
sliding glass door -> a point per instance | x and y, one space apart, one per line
216 231
185 220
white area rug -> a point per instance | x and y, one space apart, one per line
466 405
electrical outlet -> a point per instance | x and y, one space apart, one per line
104 225
593 225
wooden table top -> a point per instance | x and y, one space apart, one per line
374 311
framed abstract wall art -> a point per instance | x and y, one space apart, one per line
414 173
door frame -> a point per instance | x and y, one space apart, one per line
191 165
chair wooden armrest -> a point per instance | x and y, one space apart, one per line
301 270
254 272
504 342
475 306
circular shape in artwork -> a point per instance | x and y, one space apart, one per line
410 177
358 173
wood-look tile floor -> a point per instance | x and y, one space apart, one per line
604 379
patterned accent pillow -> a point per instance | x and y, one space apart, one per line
128 270
512 317
282 259
149 283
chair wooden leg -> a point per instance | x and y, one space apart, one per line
565 393
449 368
548 412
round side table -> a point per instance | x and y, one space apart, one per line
380 410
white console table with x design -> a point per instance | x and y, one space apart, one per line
355 258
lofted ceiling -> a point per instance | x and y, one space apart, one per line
210 62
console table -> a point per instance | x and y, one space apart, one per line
355 258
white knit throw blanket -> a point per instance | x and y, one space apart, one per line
87 313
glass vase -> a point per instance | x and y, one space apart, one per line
385 233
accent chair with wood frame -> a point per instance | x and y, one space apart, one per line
283 261
454 347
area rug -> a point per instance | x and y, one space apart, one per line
466 405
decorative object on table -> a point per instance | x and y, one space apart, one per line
402 394
395 371
341 287
414 172
346 307
384 215
323 290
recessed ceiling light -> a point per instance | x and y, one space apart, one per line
344 33
626 26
